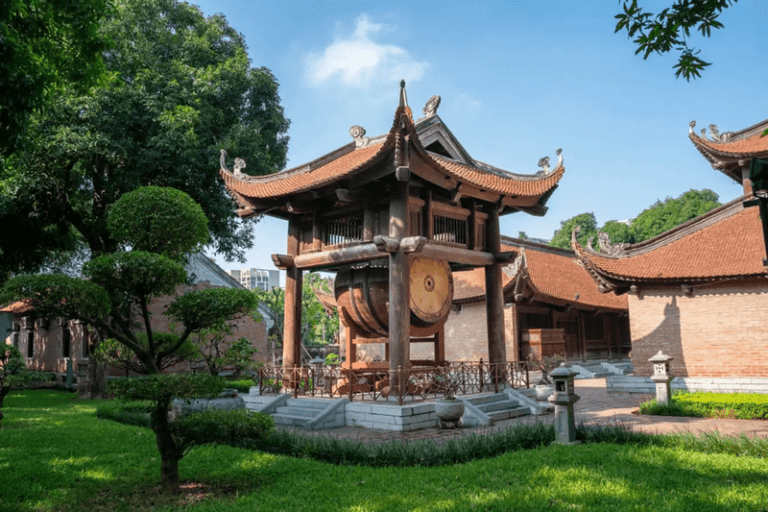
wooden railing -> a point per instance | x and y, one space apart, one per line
401 384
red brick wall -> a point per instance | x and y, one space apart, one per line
719 331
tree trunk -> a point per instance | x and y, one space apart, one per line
169 453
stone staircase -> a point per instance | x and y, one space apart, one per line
600 369
304 413
485 409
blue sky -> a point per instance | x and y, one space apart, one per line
518 80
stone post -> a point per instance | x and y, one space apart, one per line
83 386
563 399
662 377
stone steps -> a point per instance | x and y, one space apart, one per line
300 412
493 407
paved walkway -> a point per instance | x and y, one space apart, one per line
596 406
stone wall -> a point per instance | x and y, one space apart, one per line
718 331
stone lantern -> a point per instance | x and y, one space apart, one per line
563 399
82 378
661 376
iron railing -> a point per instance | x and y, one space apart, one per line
402 384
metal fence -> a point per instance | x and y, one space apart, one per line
411 384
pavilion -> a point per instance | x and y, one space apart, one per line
394 216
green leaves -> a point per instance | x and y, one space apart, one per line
58 295
136 273
164 387
180 88
204 309
671 28
159 219
587 229
651 222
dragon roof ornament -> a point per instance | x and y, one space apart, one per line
713 131
430 108
544 162
358 133
239 165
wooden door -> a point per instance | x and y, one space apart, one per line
571 329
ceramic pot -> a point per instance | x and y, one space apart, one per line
449 412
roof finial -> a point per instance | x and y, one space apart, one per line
403 96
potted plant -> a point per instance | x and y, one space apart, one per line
449 409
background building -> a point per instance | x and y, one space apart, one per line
252 278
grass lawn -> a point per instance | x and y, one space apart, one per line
56 455
702 404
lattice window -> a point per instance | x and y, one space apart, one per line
447 229
343 230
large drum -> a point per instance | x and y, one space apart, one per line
362 293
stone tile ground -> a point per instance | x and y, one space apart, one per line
595 406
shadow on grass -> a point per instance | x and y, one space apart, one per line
66 459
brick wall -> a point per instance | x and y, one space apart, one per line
466 335
719 331
246 327
48 352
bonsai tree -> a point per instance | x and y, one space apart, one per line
546 365
155 227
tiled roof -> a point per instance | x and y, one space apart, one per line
19 308
507 183
551 274
724 243
755 145
302 178
349 160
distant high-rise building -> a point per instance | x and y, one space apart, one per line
252 278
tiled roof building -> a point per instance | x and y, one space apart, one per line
698 292
552 307
381 206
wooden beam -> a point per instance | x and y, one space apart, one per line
343 256
282 261
413 244
455 254
386 243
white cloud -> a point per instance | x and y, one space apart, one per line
357 61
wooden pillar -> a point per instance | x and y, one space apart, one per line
350 347
494 295
399 284
440 345
292 316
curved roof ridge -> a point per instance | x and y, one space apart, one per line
522 242
692 255
685 229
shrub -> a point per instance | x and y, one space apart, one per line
236 428
129 413
242 385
